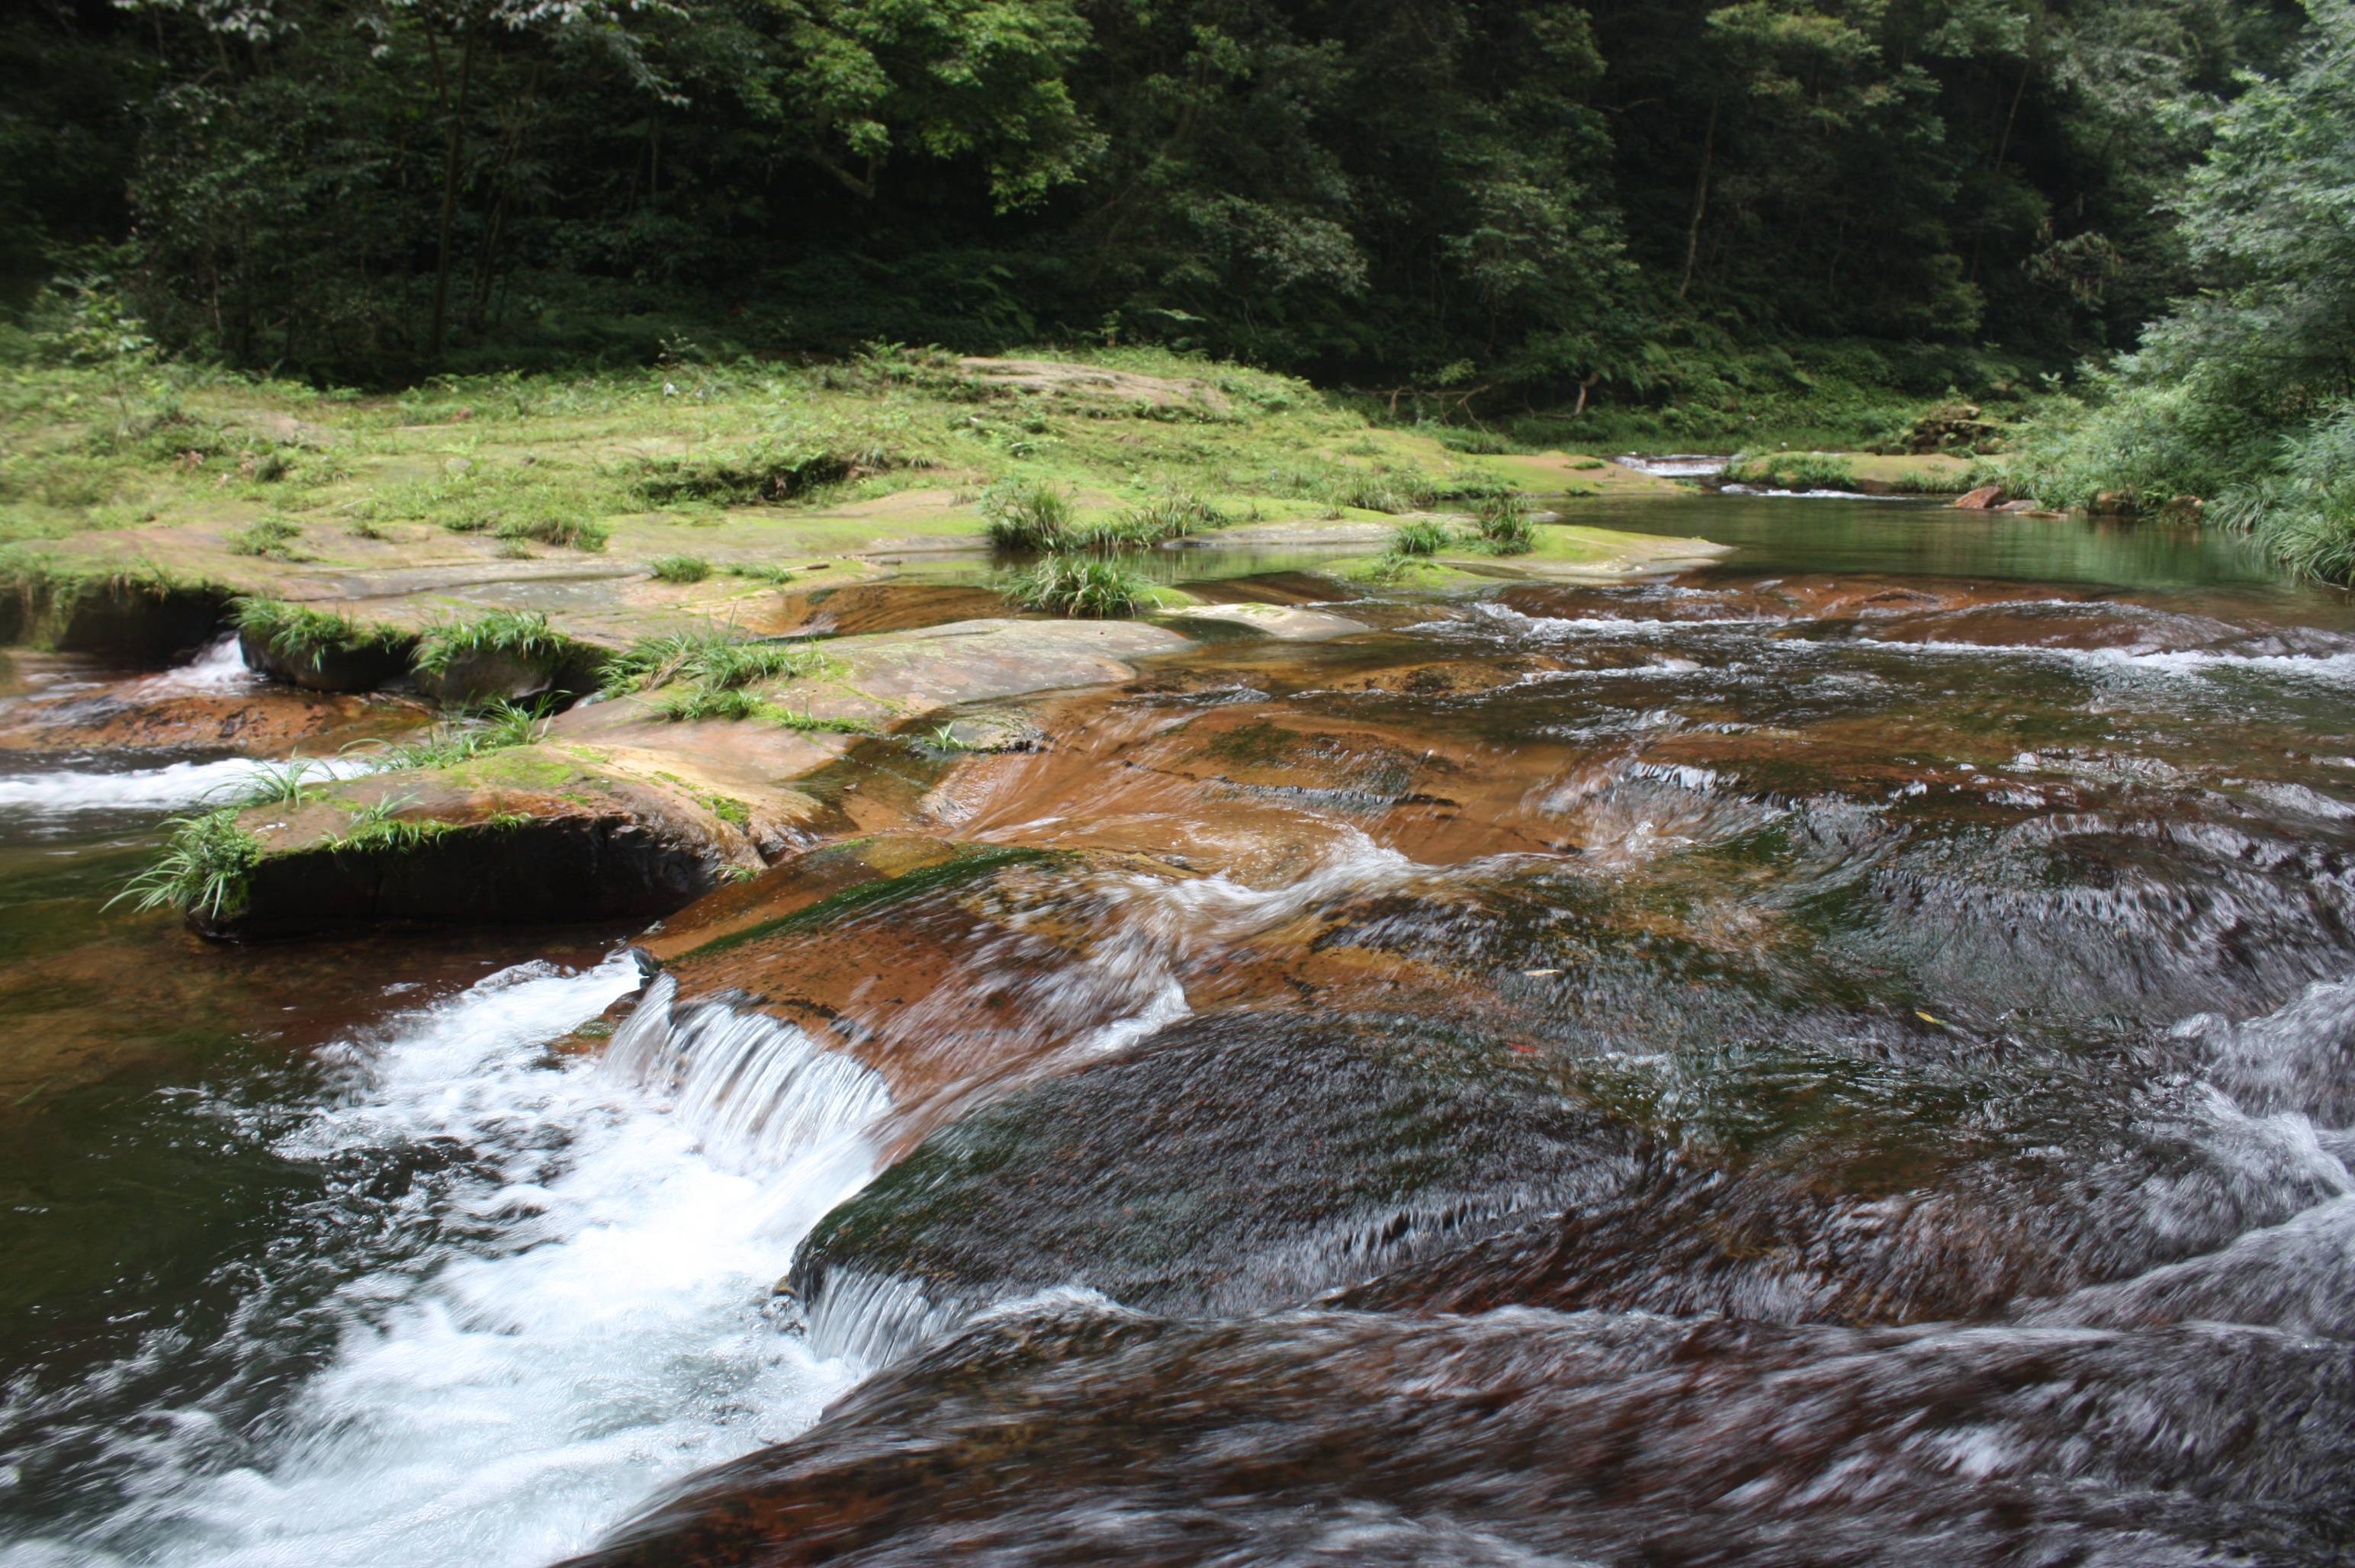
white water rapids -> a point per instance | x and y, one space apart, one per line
588 1323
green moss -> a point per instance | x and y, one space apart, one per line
522 768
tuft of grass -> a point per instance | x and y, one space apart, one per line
571 531
302 635
286 783
268 537
1027 514
1504 525
203 869
495 728
679 568
705 659
762 572
765 471
1421 536
1066 585
811 724
523 635
693 704
378 828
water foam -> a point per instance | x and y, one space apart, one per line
70 792
567 1311
220 667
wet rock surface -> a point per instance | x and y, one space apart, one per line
1823 1064
1446 1093
1077 1436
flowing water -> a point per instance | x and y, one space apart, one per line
1837 1057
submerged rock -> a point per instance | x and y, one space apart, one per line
1228 1163
1074 1434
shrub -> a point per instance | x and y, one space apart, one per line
679 568
2304 511
1066 585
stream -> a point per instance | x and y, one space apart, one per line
1841 1056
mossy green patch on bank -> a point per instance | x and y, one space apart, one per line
1462 559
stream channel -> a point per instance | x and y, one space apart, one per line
1845 1055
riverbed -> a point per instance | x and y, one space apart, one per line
1838 1055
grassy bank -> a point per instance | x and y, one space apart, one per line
204 476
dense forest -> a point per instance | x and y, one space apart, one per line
1509 204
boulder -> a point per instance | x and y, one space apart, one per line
1986 499
529 834
363 667
2114 504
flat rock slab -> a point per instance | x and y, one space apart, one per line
969 661
1284 623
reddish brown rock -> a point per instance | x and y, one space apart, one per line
1986 499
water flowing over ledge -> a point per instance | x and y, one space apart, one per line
562 1307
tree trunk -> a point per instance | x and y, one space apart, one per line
1701 200
457 113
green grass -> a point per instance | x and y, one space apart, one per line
1069 586
1421 536
1503 524
761 572
203 869
268 537
679 568
707 659
302 635
379 829
572 532
770 470
523 635
495 728
1027 514
693 704
1792 471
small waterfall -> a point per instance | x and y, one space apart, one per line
220 667
564 1306
754 1090
867 1320
68 791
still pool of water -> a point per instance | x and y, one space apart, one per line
1840 1056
